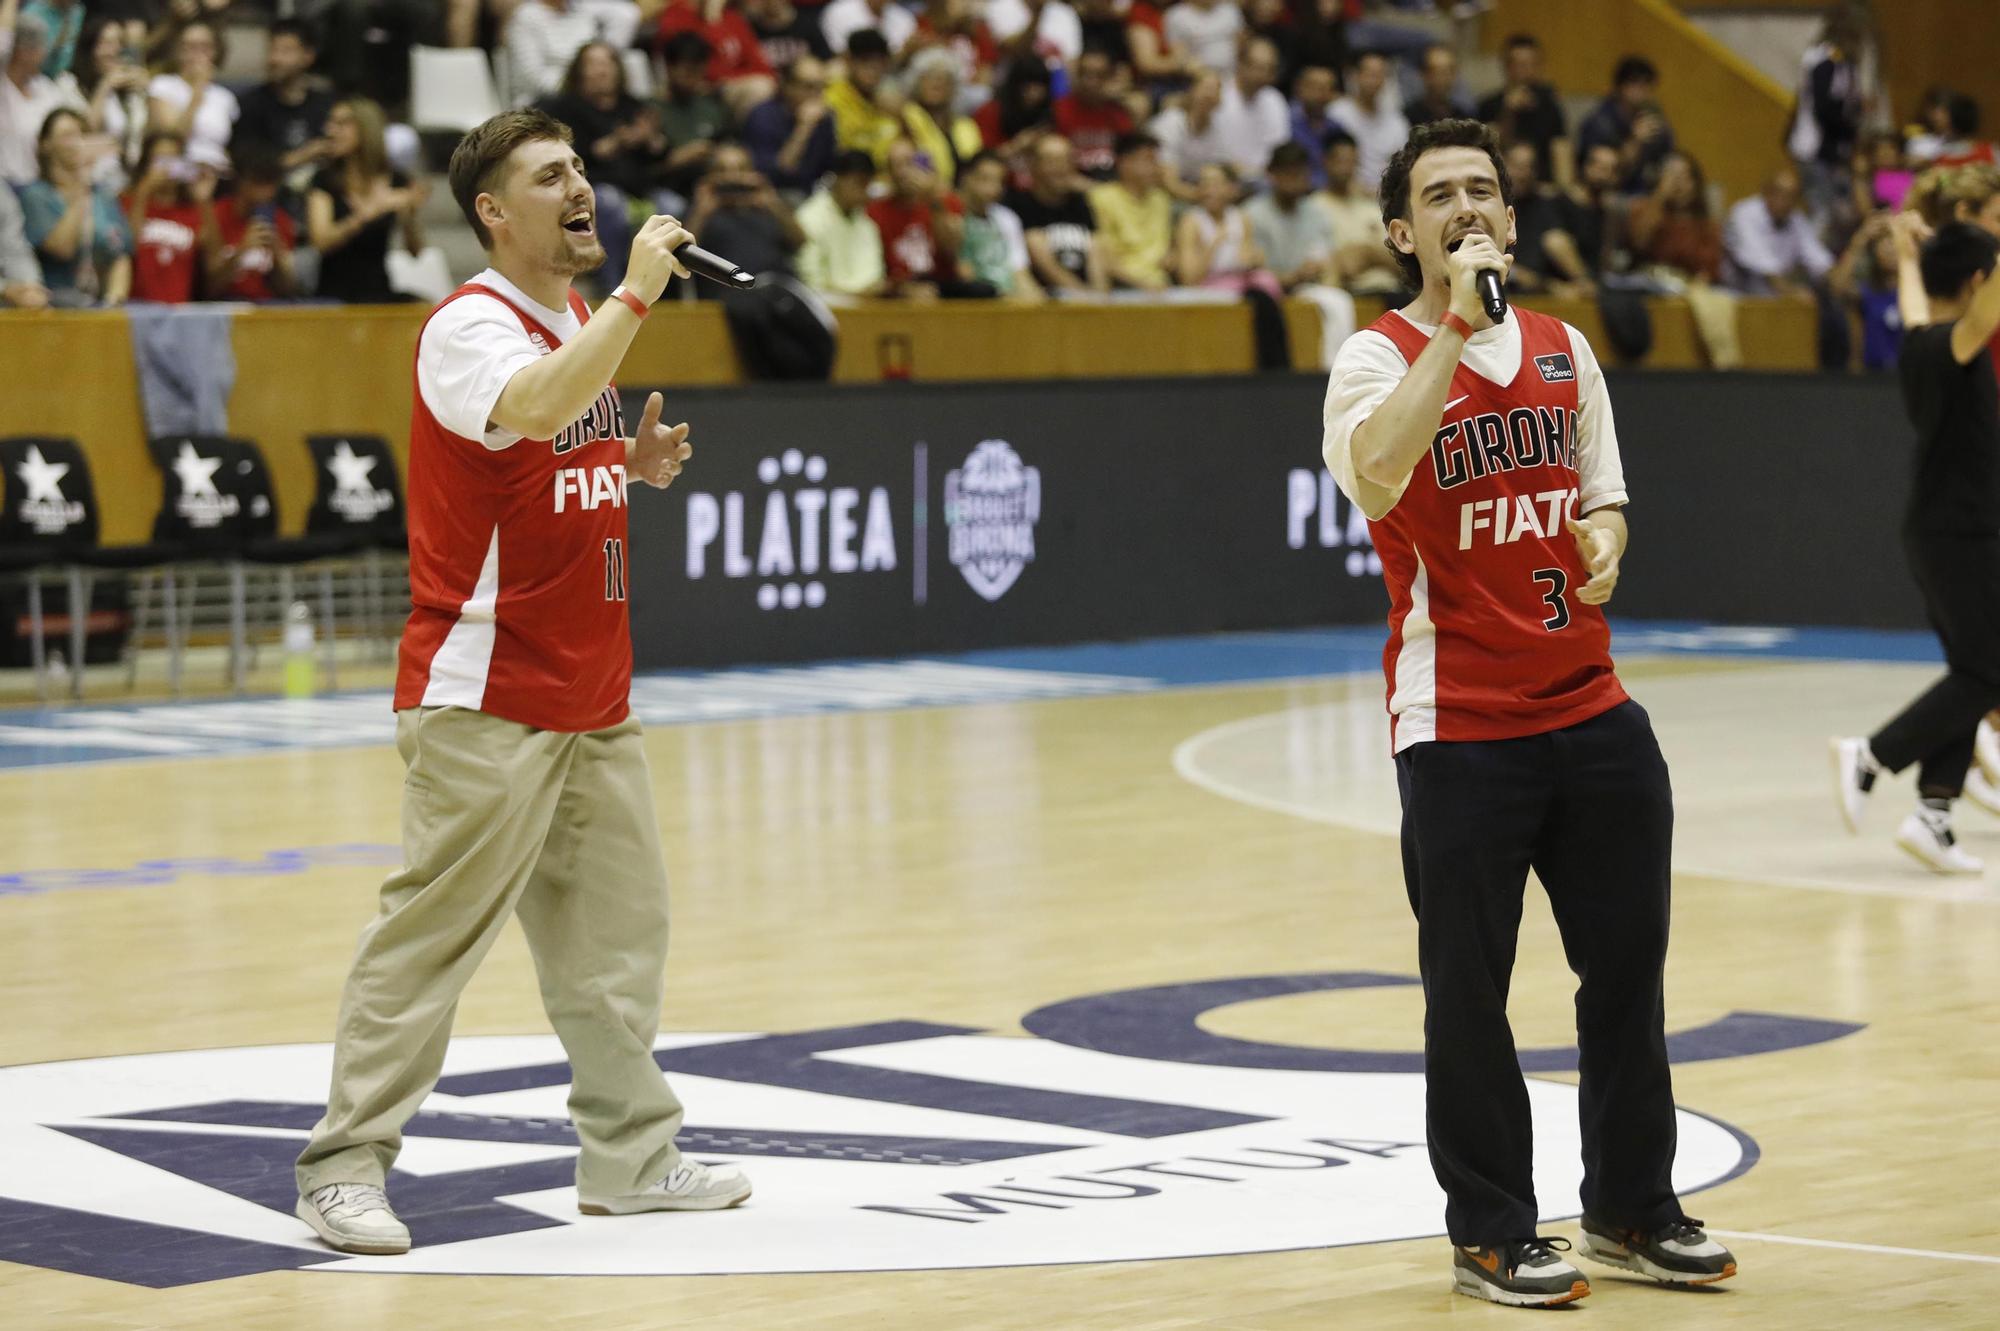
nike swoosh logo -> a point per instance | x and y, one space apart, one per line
1454 402
1489 1257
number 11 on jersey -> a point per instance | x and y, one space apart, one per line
614 569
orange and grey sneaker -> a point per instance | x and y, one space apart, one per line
1680 1253
1523 1274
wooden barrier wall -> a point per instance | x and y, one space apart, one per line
324 369
1722 108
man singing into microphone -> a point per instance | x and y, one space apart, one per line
526 791
1484 456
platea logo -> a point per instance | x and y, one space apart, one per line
807 532
991 505
1120 1131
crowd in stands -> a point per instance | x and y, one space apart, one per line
1018 150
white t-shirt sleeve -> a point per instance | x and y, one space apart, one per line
171 89
1009 223
1366 370
469 350
1600 472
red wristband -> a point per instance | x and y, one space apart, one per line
642 309
1456 324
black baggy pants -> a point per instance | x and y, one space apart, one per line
1590 810
1959 577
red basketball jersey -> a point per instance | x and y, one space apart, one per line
1485 631
517 566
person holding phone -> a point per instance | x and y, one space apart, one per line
171 210
253 254
109 75
355 206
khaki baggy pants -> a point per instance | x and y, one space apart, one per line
501 819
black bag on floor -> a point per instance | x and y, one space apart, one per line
782 330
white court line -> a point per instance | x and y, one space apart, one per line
1187 765
1859 1247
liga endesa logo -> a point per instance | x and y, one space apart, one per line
1120 1130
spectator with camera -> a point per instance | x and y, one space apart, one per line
171 210
790 137
1527 110
737 212
255 237
26 94
355 206
287 112
1630 120
190 103
80 234
113 84
842 253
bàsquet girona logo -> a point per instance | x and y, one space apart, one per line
1120 1130
991 506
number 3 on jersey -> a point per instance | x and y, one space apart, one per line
614 569
1557 582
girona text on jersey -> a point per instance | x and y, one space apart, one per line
1490 443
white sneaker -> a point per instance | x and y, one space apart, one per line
1930 840
1854 772
1986 751
692 1186
1982 790
354 1217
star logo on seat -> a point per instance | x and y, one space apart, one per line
42 477
196 473
350 472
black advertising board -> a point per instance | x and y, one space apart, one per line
823 521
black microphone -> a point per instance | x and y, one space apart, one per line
1490 294
714 267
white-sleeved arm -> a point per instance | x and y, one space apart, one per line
1600 472
469 350
1366 370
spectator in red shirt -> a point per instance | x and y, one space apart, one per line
253 259
736 63
921 222
1090 117
172 212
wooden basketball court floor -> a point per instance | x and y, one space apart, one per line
964 866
